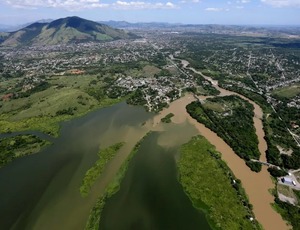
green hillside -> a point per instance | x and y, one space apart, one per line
64 31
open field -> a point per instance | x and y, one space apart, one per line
217 107
67 97
65 91
286 191
150 71
288 91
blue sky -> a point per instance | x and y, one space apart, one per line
255 12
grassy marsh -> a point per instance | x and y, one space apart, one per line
211 186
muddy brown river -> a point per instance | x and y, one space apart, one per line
257 185
42 191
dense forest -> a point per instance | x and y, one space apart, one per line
275 127
233 123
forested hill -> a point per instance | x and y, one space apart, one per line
63 31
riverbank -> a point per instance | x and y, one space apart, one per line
75 162
256 185
47 124
19 146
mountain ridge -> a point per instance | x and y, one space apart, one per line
65 30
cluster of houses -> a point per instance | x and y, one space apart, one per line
155 90
58 59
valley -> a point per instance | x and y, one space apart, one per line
116 115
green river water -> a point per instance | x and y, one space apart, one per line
41 191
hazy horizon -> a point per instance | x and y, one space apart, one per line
174 23
238 12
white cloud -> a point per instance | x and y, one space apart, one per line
75 5
142 5
190 1
67 4
282 3
243 1
170 4
214 9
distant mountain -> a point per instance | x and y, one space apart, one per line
12 28
4 28
117 24
63 31
45 20
138 25
239 30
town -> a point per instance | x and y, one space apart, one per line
44 85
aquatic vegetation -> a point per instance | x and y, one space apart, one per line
167 118
95 172
212 187
19 146
112 188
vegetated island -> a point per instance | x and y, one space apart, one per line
212 187
95 171
266 74
274 125
231 117
167 118
19 146
112 188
